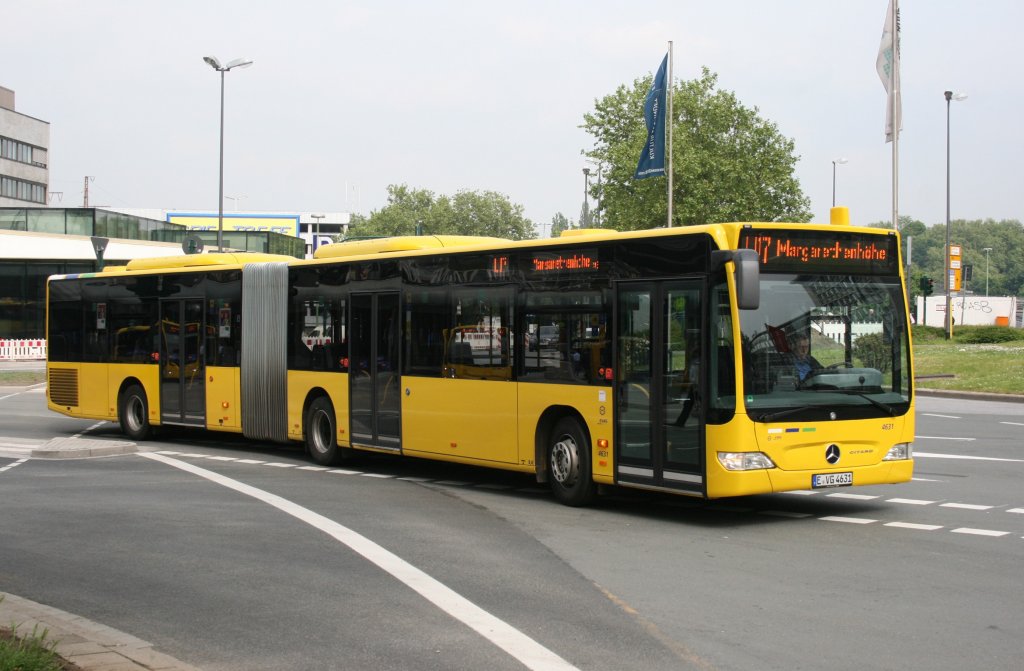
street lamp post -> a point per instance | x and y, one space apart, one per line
986 250
316 232
586 198
215 64
947 271
838 161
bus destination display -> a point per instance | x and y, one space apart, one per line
823 251
564 262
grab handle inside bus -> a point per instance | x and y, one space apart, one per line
748 285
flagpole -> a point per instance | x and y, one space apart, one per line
668 128
894 87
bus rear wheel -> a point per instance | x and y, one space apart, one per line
133 413
570 474
322 433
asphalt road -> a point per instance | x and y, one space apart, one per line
232 555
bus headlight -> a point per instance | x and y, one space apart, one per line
899 452
745 461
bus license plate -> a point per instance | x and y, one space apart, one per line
831 480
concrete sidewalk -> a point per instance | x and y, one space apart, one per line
92 646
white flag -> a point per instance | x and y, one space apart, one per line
888 66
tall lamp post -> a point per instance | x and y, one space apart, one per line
316 233
838 161
986 250
586 205
947 271
215 64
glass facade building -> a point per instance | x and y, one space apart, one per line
23 281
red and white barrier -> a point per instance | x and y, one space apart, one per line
22 349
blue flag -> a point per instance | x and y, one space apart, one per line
652 159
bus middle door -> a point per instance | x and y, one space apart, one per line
659 413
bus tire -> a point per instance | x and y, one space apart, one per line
133 413
570 475
322 432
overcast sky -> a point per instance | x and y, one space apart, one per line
346 98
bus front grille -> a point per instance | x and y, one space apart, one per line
63 386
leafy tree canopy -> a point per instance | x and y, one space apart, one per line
729 164
1004 239
466 213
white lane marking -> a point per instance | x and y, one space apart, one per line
313 468
342 471
847 520
940 438
924 480
932 414
279 464
85 431
222 458
965 506
377 475
933 455
1013 423
979 532
11 465
527 651
912 502
1015 510
249 461
911 525
785 513
858 497
801 493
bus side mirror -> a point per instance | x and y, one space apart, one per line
748 280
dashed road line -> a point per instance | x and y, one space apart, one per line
965 506
1013 423
11 465
964 457
911 525
932 414
979 532
718 508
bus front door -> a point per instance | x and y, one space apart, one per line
659 414
182 362
374 384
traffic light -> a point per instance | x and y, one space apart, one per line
927 286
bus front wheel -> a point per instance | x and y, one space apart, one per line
322 433
570 473
133 413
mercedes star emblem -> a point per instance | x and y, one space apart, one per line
832 454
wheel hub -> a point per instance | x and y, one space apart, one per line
565 461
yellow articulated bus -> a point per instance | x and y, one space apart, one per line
710 361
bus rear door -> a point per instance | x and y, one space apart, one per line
374 382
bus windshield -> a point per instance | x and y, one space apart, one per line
824 346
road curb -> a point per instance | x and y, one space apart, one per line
972 395
90 645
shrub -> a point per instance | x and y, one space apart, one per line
987 334
872 350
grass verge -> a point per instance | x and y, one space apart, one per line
33 652
996 367
21 377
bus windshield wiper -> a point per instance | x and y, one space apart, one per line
878 404
771 417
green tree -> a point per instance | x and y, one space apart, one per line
729 164
559 223
466 213
1004 238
